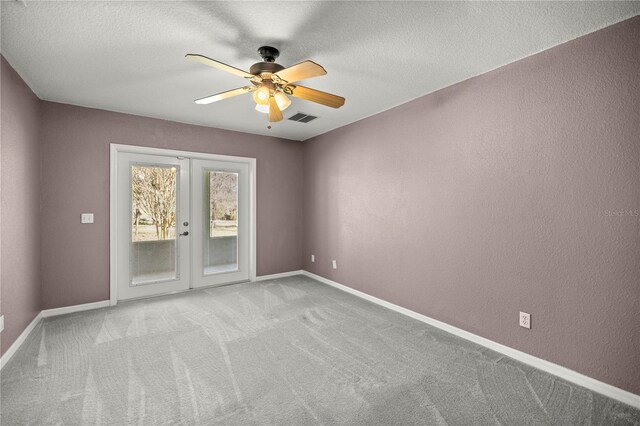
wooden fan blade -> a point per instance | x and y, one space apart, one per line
297 72
219 65
314 95
274 112
224 95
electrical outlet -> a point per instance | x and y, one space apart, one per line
525 320
313 258
334 264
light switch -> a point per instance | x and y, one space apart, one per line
86 218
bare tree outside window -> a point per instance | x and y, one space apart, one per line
223 204
153 190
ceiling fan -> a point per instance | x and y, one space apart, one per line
272 83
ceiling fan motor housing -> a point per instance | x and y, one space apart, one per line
265 67
268 65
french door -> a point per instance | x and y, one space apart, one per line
221 233
180 223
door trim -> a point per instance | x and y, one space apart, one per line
113 200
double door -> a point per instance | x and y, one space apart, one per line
181 223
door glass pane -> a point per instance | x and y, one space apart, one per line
221 235
154 191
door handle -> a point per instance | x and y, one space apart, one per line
184 234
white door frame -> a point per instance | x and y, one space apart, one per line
113 200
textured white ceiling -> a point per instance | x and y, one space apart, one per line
129 56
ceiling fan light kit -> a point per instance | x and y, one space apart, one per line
282 101
272 83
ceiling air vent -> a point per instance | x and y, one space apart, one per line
302 118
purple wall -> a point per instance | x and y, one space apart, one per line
515 190
75 170
20 209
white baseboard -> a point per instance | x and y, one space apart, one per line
280 275
75 308
46 314
549 367
20 340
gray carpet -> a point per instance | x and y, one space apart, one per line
284 352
